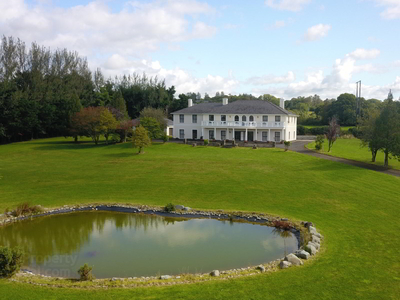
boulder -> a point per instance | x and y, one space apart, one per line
302 254
312 230
316 245
215 273
179 207
293 259
165 277
261 268
316 240
284 219
284 264
310 249
187 208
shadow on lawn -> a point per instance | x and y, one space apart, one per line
70 145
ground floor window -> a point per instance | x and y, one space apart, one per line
223 135
194 134
182 133
265 136
277 136
171 132
211 134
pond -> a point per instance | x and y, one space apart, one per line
132 245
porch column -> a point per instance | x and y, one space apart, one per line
246 135
202 132
215 133
256 136
283 135
233 133
269 135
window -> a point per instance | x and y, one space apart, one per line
265 136
211 134
181 118
236 118
194 134
223 135
223 118
277 118
181 134
265 118
251 119
277 136
194 118
211 118
243 118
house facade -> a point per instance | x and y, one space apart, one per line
242 120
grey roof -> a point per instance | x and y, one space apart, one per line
169 122
237 107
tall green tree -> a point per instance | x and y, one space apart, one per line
140 138
152 126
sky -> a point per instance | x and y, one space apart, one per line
286 48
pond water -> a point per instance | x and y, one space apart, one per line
133 245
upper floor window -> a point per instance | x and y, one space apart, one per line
194 118
277 118
265 118
181 118
236 118
244 118
223 118
211 118
251 119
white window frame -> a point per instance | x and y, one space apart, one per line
277 118
181 134
181 118
194 118
223 118
224 135
277 136
264 136
211 118
265 118
211 135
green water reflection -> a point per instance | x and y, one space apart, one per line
128 245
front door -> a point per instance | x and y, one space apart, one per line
250 136
237 135
194 134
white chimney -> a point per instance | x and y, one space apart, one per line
224 101
190 102
282 103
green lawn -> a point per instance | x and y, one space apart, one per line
357 210
314 126
351 149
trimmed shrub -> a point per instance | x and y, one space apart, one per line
318 130
319 141
169 207
301 130
355 132
85 273
205 142
10 261
287 145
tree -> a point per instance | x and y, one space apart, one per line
333 131
107 123
270 98
152 126
140 138
387 128
125 127
156 113
369 134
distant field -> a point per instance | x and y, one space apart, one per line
342 127
357 210
351 149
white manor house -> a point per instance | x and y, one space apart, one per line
242 120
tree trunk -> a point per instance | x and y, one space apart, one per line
76 139
106 136
386 164
140 150
374 155
125 137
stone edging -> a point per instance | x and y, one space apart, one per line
308 237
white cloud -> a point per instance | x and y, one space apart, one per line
279 24
340 80
392 8
361 53
136 29
291 5
317 32
270 79
183 81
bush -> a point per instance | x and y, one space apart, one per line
115 138
356 132
287 145
319 141
169 207
205 142
85 273
10 261
165 137
301 130
318 130
285 225
26 209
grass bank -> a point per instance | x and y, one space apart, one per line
351 149
355 209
